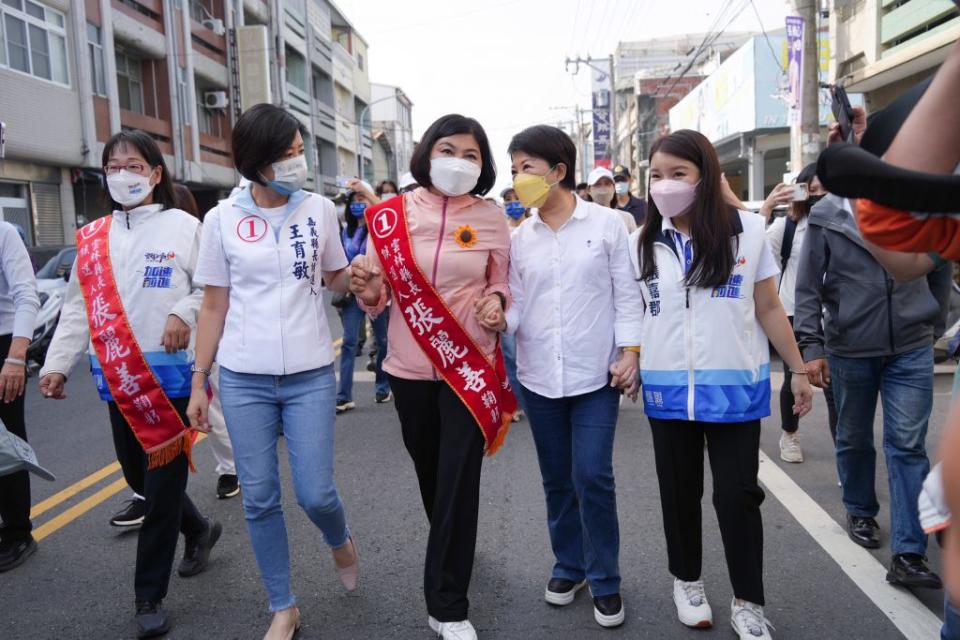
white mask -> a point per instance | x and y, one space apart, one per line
129 189
454 176
289 176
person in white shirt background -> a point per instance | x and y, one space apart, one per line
706 276
19 303
576 317
603 192
785 235
271 247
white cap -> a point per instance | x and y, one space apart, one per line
596 174
407 180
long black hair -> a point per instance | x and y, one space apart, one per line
710 216
352 221
147 147
799 210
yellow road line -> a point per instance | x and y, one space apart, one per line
79 509
74 489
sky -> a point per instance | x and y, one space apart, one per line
502 61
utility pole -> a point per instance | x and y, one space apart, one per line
805 135
612 106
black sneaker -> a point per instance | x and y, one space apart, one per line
14 553
131 515
864 531
608 610
911 570
345 405
372 363
152 619
561 592
228 486
384 397
196 552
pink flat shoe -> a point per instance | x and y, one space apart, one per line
350 576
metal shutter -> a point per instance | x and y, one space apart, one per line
47 213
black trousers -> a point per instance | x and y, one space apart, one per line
14 487
446 445
733 450
790 422
169 511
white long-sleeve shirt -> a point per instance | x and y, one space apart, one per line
575 301
19 301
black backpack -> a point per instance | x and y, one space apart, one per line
789 230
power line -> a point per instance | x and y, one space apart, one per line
773 53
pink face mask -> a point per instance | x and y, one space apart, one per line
673 197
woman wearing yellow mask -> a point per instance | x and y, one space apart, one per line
571 283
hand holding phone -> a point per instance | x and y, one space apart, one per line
800 192
842 111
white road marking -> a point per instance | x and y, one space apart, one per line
908 614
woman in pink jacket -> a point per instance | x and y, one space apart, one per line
441 254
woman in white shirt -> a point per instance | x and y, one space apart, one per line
263 258
576 316
785 235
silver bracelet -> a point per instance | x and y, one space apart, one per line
798 373
16 361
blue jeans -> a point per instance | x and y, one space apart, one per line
353 318
905 385
257 409
574 440
509 346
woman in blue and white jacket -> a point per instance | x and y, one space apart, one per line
708 281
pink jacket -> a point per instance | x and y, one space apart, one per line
460 274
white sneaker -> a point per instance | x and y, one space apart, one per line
462 630
790 450
693 610
748 621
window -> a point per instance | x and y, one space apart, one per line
296 70
129 82
95 45
33 40
212 122
360 61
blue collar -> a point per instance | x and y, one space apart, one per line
244 200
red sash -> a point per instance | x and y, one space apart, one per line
481 385
140 398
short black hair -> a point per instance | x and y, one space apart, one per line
147 147
386 183
550 144
451 125
582 186
261 137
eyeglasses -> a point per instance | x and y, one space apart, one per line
132 167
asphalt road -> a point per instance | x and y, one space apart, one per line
79 584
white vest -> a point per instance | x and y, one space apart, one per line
704 354
276 323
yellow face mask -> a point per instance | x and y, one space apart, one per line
532 190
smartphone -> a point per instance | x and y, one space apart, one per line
343 181
800 192
842 111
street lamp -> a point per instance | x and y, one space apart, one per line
363 114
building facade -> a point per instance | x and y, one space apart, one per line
74 72
393 132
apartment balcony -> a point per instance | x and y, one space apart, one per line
212 61
140 23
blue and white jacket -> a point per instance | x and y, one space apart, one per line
704 355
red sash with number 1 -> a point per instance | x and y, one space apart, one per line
481 385
139 396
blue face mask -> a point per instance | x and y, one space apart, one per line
358 208
514 210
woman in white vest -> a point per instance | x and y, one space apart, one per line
708 281
264 257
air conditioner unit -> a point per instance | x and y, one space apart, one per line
215 100
215 25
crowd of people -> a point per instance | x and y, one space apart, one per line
553 306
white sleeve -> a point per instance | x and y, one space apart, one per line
775 235
515 281
627 298
212 265
767 266
22 284
71 339
332 256
188 308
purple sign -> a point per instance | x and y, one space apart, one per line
601 119
795 61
